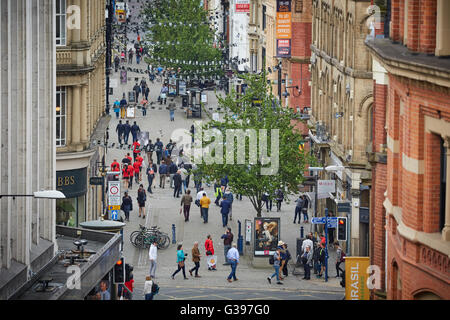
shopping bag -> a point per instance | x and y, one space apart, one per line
211 260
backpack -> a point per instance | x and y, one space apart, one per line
342 256
271 260
155 288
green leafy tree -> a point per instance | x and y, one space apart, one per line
257 111
178 35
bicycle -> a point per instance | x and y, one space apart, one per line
144 237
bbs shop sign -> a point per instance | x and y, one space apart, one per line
284 28
73 183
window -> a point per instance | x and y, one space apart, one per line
60 22
264 17
61 112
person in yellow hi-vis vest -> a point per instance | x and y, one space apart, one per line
217 192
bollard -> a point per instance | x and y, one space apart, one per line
301 232
174 240
240 243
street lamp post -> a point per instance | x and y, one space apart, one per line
45 194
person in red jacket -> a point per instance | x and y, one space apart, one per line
141 160
136 150
209 248
137 165
130 171
115 166
125 176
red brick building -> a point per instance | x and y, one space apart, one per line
298 65
410 210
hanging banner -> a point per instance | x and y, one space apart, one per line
242 6
283 28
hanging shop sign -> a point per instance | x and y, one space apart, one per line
243 6
283 28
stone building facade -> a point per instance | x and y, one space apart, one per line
27 158
80 103
341 103
411 229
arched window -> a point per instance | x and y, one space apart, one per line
426 295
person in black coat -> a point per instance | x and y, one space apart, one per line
120 130
127 129
173 168
127 206
134 131
177 183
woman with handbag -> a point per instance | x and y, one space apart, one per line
181 257
209 249
127 206
142 197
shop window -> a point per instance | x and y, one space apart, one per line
71 212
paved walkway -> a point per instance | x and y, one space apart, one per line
163 210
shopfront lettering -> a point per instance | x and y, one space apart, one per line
66 181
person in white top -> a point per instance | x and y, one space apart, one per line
152 254
199 196
148 294
307 242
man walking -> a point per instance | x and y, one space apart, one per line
159 146
152 254
229 195
276 266
150 176
186 201
127 129
225 205
233 258
196 259
177 184
172 107
162 174
172 171
120 130
134 131
197 200
227 241
204 204
298 208
307 262
340 258
305 210
137 90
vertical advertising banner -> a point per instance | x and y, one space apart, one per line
356 278
284 28
267 235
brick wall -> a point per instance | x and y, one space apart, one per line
414 190
413 24
427 38
395 20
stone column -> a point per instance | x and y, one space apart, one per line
83 114
76 115
446 230
84 20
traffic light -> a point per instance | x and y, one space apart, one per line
342 229
119 272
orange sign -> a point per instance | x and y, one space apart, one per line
283 26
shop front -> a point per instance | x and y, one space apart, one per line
71 211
